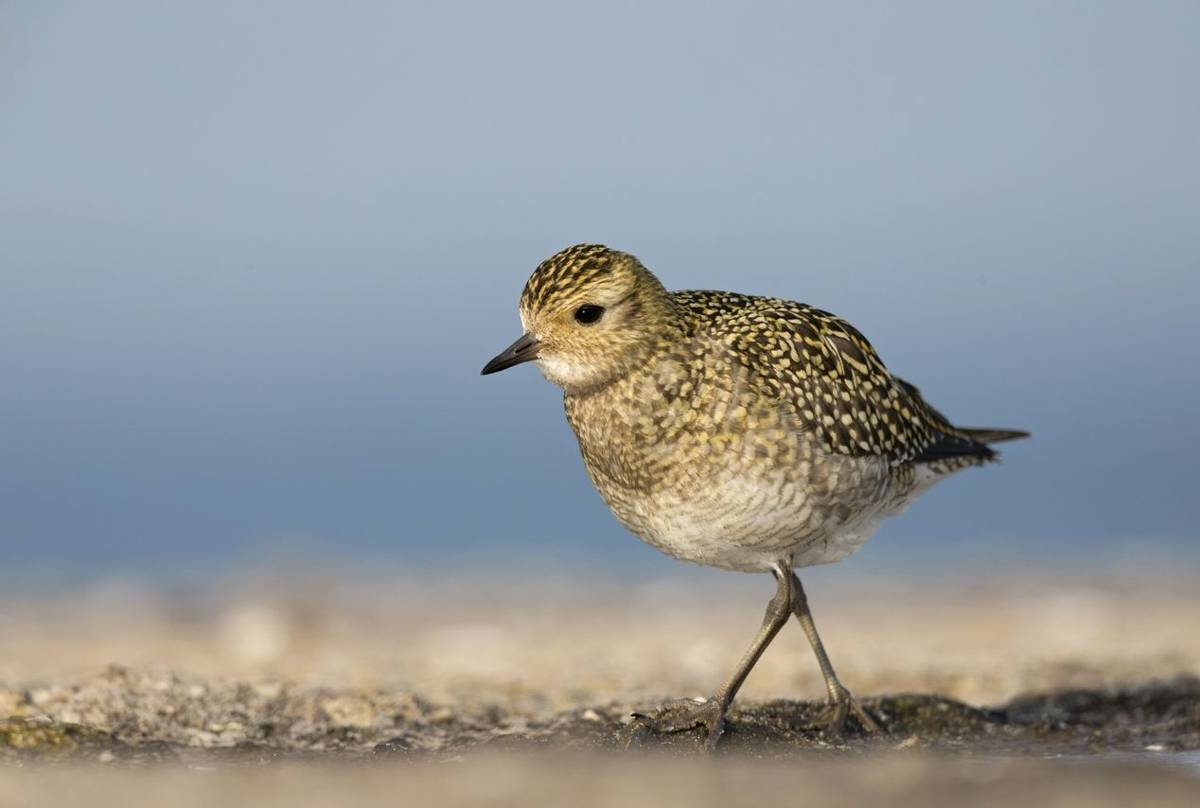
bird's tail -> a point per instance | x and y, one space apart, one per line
985 436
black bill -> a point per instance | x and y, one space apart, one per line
523 350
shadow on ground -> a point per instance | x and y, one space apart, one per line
132 717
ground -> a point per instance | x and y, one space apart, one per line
403 683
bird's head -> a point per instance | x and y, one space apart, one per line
590 315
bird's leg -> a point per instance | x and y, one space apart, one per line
843 703
685 714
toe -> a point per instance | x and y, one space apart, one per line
681 716
843 705
869 724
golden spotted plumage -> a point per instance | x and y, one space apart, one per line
734 430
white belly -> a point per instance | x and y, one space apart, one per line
749 524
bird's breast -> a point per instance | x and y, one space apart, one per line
710 474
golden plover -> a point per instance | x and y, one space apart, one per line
747 433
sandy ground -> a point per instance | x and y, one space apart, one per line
613 783
345 691
552 642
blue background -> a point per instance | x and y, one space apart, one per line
252 257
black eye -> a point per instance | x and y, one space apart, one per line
588 314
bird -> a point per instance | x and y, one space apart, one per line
747 433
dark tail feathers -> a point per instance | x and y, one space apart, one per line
971 442
986 436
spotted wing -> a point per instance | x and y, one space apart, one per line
836 385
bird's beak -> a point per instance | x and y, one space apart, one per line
523 350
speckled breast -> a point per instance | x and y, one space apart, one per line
694 460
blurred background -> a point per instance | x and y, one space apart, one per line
256 500
252 257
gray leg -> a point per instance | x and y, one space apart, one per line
686 714
843 703
774 619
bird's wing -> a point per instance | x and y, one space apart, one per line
841 391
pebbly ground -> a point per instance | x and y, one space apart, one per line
134 716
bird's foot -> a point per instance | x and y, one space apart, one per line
842 705
678 716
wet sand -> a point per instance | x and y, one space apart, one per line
605 781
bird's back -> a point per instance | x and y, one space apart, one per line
833 380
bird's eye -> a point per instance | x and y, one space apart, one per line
588 314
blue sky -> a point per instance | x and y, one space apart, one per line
252 257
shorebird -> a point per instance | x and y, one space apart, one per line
747 433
